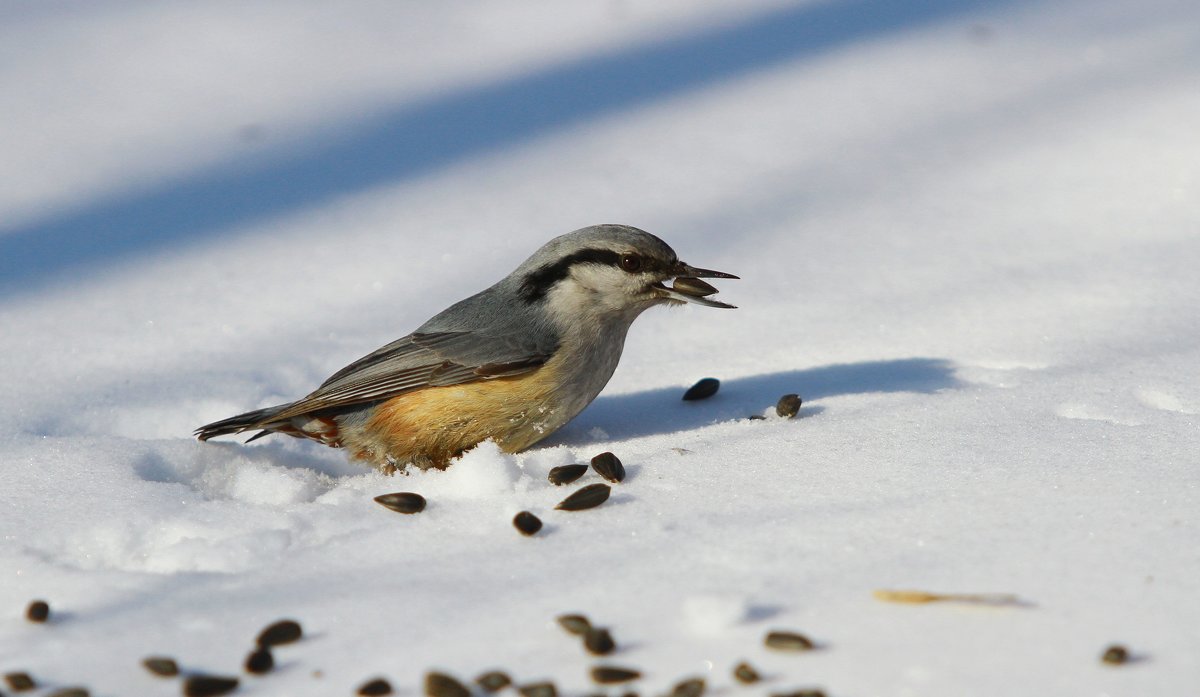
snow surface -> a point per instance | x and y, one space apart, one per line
969 236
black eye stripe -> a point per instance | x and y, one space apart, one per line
539 282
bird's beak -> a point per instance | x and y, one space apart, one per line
687 286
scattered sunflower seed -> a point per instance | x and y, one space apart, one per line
402 502
565 474
813 692
281 632
746 674
703 389
38 611
70 692
589 496
606 675
1115 655
208 685
260 661
788 405
756 417
493 681
688 688
527 523
630 694
19 682
599 642
538 689
442 685
575 624
161 666
375 688
788 641
609 467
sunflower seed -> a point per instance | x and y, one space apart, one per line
493 681
801 693
575 624
70 692
19 682
788 641
693 287
208 685
281 632
756 417
1115 655
606 675
688 688
161 666
609 467
260 661
38 611
746 674
703 389
599 642
589 496
402 502
375 688
630 694
442 685
565 474
788 405
538 689
527 523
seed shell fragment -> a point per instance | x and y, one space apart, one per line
607 675
493 681
915 597
575 624
599 641
703 389
70 692
788 405
402 502
375 688
260 661
19 682
746 674
1115 655
609 467
538 689
209 685
161 666
788 641
442 685
38 611
565 474
810 692
688 688
589 496
281 632
527 523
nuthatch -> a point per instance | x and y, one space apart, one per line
512 363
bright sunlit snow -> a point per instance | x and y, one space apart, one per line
968 235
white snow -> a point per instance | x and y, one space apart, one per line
968 235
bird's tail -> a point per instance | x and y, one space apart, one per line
260 418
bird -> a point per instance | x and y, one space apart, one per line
512 363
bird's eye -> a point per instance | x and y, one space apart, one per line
631 263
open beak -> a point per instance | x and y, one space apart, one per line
687 286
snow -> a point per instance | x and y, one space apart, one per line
967 235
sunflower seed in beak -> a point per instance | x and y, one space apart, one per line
693 287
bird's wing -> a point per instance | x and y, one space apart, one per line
424 360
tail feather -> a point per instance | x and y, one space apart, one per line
260 418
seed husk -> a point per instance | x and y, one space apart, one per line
746 674
260 661
609 467
402 502
70 692
281 632
575 624
19 682
756 417
38 611
589 496
493 681
788 405
599 641
809 692
442 685
375 688
1115 655
161 666
565 474
688 688
527 523
607 675
538 689
703 389
693 287
788 641
208 685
